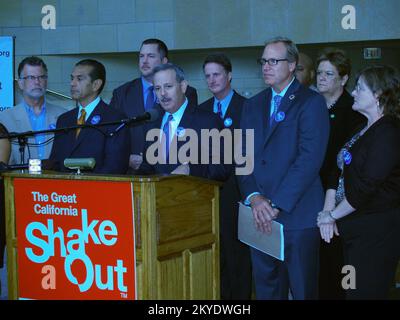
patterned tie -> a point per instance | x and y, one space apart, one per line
81 120
277 103
166 135
150 98
219 110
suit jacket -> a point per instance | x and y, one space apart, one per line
111 153
196 119
16 119
233 112
288 154
230 191
129 99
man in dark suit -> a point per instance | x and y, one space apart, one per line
235 264
137 96
291 127
111 153
181 121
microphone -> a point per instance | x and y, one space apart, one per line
150 116
80 163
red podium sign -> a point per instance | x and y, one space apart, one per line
75 239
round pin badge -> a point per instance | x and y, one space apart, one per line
280 116
228 122
180 131
347 157
95 120
332 116
52 126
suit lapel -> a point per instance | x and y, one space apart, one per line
86 133
234 111
287 102
135 94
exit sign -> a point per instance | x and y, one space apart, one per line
372 53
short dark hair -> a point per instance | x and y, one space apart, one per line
338 58
220 59
385 82
180 75
162 47
98 71
32 61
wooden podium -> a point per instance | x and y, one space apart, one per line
176 228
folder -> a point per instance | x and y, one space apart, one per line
272 244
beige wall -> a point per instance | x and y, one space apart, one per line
111 31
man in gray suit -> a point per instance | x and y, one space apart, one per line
33 113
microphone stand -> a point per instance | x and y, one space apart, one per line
23 136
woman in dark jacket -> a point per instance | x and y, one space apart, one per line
365 198
333 72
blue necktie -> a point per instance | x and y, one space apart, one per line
166 135
150 98
219 110
277 103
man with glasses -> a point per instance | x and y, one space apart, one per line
34 113
291 133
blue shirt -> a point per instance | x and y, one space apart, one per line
282 94
38 122
224 103
146 86
177 117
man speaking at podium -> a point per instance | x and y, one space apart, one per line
179 116
111 153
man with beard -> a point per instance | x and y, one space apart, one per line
34 113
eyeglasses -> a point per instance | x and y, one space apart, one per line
43 77
328 74
271 62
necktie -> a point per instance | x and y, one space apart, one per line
81 120
166 135
277 103
150 98
219 111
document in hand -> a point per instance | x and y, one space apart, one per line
272 244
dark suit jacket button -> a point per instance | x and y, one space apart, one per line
263 162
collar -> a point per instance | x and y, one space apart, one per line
146 84
89 108
224 102
30 111
283 92
177 115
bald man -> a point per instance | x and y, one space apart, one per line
305 71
